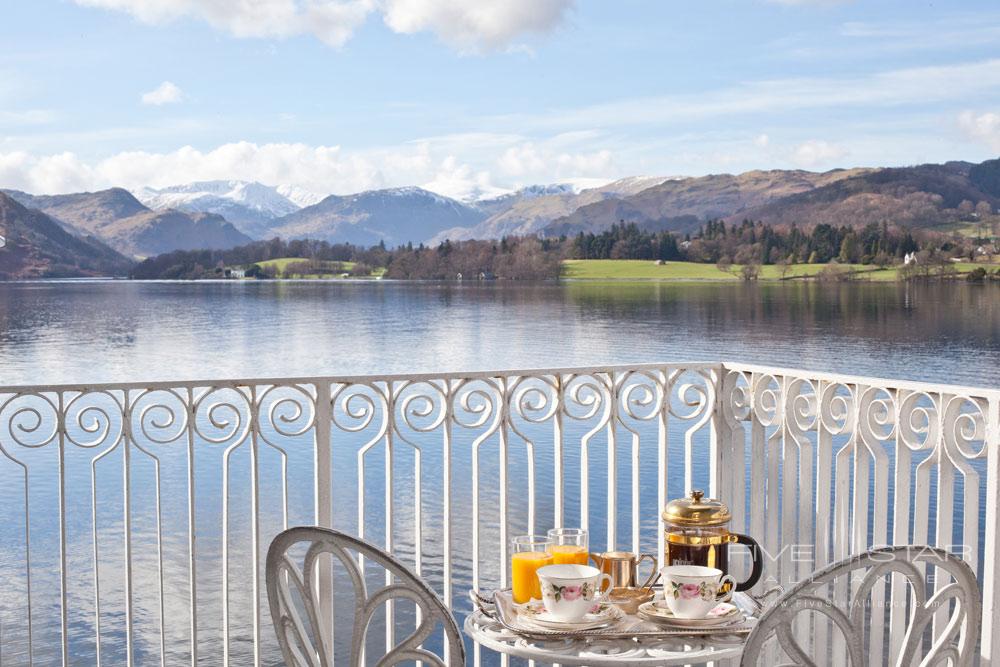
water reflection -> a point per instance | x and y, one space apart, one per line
116 331
93 331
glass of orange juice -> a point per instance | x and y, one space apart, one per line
569 545
529 553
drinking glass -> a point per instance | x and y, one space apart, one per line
529 553
569 545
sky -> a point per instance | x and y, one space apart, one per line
476 97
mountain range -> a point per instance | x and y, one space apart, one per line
532 210
118 219
394 216
36 246
223 214
251 207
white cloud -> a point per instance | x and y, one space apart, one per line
532 163
322 169
476 24
165 93
461 181
332 21
983 128
489 165
471 25
762 141
815 152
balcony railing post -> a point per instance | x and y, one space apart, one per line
991 588
721 468
323 498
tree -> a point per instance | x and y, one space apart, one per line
746 255
725 264
750 271
849 248
833 272
977 275
784 267
361 269
907 271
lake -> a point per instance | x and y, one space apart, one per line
106 331
103 331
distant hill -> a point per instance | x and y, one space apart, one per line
531 210
155 232
920 197
84 212
36 246
494 205
251 207
116 217
681 204
396 216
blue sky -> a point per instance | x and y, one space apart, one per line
470 97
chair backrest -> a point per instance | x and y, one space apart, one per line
846 593
305 642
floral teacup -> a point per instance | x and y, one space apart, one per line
570 591
691 591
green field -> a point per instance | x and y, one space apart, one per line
637 269
282 263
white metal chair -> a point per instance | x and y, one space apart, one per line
956 602
305 643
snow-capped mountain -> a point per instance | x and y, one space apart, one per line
299 196
395 216
529 210
499 203
250 206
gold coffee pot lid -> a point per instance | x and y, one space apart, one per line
696 511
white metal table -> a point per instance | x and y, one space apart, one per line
681 650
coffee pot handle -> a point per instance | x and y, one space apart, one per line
758 562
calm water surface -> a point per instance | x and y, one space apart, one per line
83 332
62 332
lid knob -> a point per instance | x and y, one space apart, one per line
696 510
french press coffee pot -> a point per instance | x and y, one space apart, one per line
696 533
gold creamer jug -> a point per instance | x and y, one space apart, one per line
621 566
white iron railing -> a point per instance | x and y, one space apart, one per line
134 517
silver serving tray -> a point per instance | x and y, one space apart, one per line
631 627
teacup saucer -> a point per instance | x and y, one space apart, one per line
535 613
723 614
